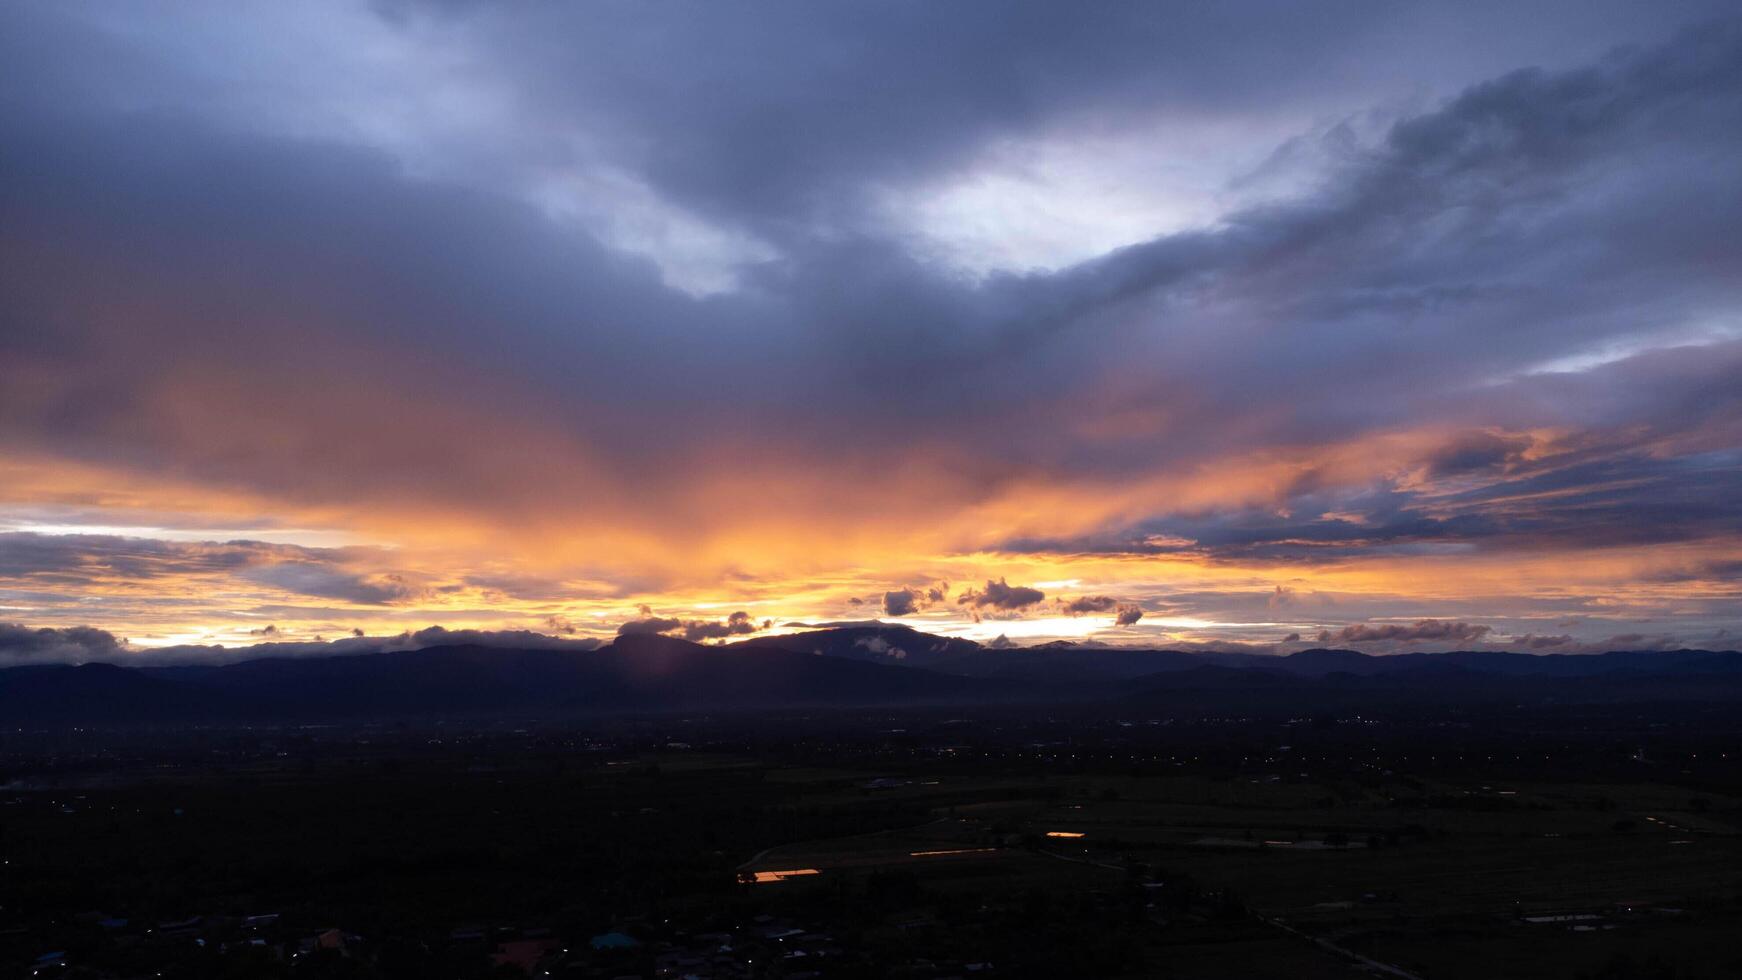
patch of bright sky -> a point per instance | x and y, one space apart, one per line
1045 627
1621 348
1038 206
693 255
304 537
1046 203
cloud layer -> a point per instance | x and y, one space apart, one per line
384 314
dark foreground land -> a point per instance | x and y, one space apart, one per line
1015 841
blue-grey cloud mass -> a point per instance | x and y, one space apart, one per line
549 311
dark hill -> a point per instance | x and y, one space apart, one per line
856 665
642 673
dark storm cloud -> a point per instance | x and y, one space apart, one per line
751 108
19 644
1458 226
1126 613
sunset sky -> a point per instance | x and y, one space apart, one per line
1367 324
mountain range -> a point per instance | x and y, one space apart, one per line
859 665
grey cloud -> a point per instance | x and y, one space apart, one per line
751 107
1338 267
1000 595
910 599
1534 641
1616 489
1124 613
74 558
737 624
72 561
651 624
695 630
1426 630
19 644
1477 451
322 581
901 602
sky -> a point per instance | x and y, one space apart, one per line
1230 326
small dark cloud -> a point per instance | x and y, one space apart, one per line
910 599
1124 613
650 624
1000 595
737 624
1083 605
268 630
901 602
695 630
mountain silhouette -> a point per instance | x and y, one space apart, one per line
860 665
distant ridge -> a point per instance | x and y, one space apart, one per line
858 665
881 642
